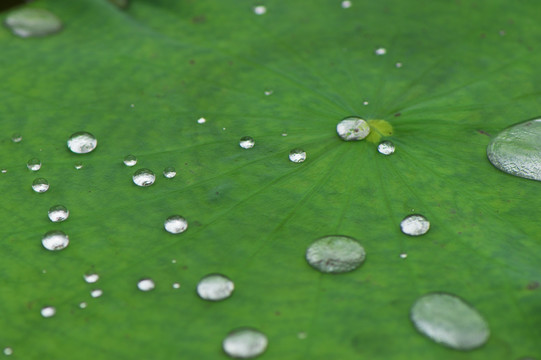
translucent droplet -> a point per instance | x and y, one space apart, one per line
386 147
91 278
517 150
33 164
380 51
346 4
302 335
260 10
176 285
398 64
365 103
40 185
246 142
144 177
169 172
82 305
8 351
122 4
335 254
415 225
96 293
449 320
82 142
215 287
78 165
353 128
55 240
297 155
175 224
403 255
130 160
4 171
201 120
146 285
284 134
58 213
268 92
30 22
48 311
245 343
16 138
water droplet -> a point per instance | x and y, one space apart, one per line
380 51
16 138
346 4
215 287
297 155
82 142
335 254
449 320
40 185
386 147
33 164
517 150
365 103
302 335
353 128
4 171
415 225
201 120
268 92
146 285
29 22
82 305
55 240
174 261
246 142
96 293
284 134
8 351
169 172
78 165
398 65
130 160
58 213
176 285
91 278
48 311
144 177
245 343
403 255
260 10
175 224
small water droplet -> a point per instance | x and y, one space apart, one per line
175 224
144 177
82 305
30 22
8 351
215 287
449 320
48 311
78 166
201 120
335 254
268 92
380 51
91 278
146 285
403 255
16 138
353 128
40 185
260 10
246 142
245 343
174 261
58 213
4 171
297 155
82 142
176 285
169 172
284 134
415 225
130 160
302 335
96 293
365 103
55 240
33 164
386 147
346 4
398 65
132 105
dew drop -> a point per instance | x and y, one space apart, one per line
91 278
246 142
297 155
40 185
302 335
260 10
82 305
96 293
16 138
215 287
403 255
335 254
268 92
33 164
48 311
175 224
380 51
58 213
449 320
365 103
176 285
130 160
386 147
144 177
55 240
517 150
398 65
169 172
284 134
415 225
245 343
30 22
78 166
201 120
353 128
146 285
82 142
4 171
8 351
346 4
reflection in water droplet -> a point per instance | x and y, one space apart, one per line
146 284
48 311
40 185
449 320
260 10
33 164
215 287
8 351
386 147
380 51
297 155
91 278
55 240
16 138
169 172
335 254
82 305
246 142
144 177
517 150
130 160
415 225
176 285
175 224
245 343
353 128
58 213
201 120
82 142
30 22
78 165
96 293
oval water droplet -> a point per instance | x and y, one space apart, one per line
4 171
16 138
146 285
215 287
48 311
91 278
82 305
144 177
245 343
201 120
335 254
31 22
55 240
96 293
130 160
175 224
58 213
380 51
297 155
449 320
82 142
517 150
40 185
169 172
176 285
403 255
246 142
33 164
353 128
386 147
260 10
415 225
8 351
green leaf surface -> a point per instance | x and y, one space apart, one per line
138 79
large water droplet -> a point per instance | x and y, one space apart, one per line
91 278
16 138
82 142
55 240
8 351
40 185
415 225
386 147
215 287
58 213
169 172
297 155
246 142
146 284
29 22
33 164
449 320
335 254
130 160
201 120
175 224
245 343
517 150
96 293
353 128
48 311
144 177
